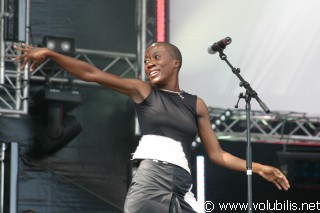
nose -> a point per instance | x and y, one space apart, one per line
150 64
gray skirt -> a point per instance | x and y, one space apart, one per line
160 187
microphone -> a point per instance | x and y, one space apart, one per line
219 45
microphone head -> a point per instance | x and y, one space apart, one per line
227 41
210 50
219 46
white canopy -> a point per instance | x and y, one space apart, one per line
275 43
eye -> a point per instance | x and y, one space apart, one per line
146 61
156 57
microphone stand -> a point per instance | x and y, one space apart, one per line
250 93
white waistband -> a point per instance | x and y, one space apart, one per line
161 148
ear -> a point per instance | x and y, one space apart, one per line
176 63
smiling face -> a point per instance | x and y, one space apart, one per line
161 66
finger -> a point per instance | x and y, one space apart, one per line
28 46
16 58
24 63
284 186
285 183
35 64
19 57
277 184
18 48
277 172
282 180
280 175
24 48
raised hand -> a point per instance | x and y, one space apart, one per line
30 53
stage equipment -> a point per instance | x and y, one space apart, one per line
301 168
222 118
250 93
9 177
219 45
61 128
162 23
15 25
63 45
15 21
288 128
200 165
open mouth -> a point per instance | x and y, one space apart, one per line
153 74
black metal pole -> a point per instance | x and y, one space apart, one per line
250 93
244 83
249 154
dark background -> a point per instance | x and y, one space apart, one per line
226 186
95 24
90 173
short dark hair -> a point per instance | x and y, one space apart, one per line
173 51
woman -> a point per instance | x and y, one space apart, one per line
169 119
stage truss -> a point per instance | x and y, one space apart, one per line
15 88
289 128
15 83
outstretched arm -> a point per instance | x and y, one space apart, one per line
225 159
134 88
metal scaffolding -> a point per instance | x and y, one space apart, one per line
15 83
110 60
276 127
14 91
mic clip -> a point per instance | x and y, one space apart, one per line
216 47
239 97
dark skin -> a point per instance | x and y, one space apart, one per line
163 70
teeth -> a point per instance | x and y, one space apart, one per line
153 73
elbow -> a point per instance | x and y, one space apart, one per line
217 157
88 76
212 157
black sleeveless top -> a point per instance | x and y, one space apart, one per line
171 115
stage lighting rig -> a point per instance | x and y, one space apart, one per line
60 128
63 45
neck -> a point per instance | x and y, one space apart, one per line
180 92
170 88
175 91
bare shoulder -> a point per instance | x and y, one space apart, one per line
202 109
142 89
142 86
